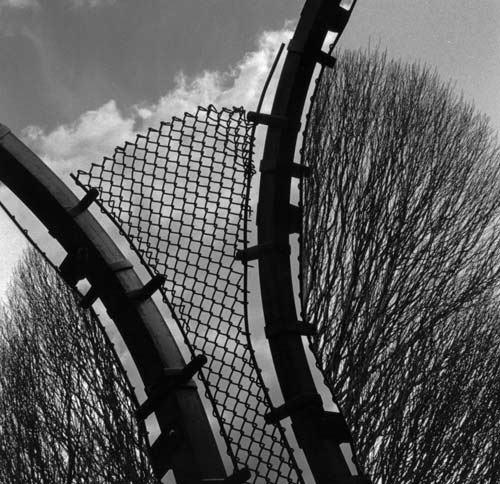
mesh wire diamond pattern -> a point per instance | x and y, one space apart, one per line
180 195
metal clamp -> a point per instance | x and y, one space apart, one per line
337 17
254 252
294 170
273 120
171 380
89 298
89 198
73 267
334 426
161 451
325 59
293 405
148 289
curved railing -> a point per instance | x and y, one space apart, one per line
318 433
186 443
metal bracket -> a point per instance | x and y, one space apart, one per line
252 253
295 170
298 327
121 265
334 426
73 267
171 380
148 289
238 477
273 120
161 451
293 405
337 17
325 59
85 202
89 298
320 56
295 219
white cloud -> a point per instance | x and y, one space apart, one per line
96 133
33 4
92 3
19 3
93 134
239 86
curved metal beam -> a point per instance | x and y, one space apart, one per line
318 433
186 443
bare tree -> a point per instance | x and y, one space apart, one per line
66 407
401 255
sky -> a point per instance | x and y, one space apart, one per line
62 58
79 77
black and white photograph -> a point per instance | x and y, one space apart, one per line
249 242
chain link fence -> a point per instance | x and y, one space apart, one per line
179 194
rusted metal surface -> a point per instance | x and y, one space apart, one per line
193 453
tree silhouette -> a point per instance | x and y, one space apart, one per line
400 261
66 407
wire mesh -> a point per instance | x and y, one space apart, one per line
180 195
